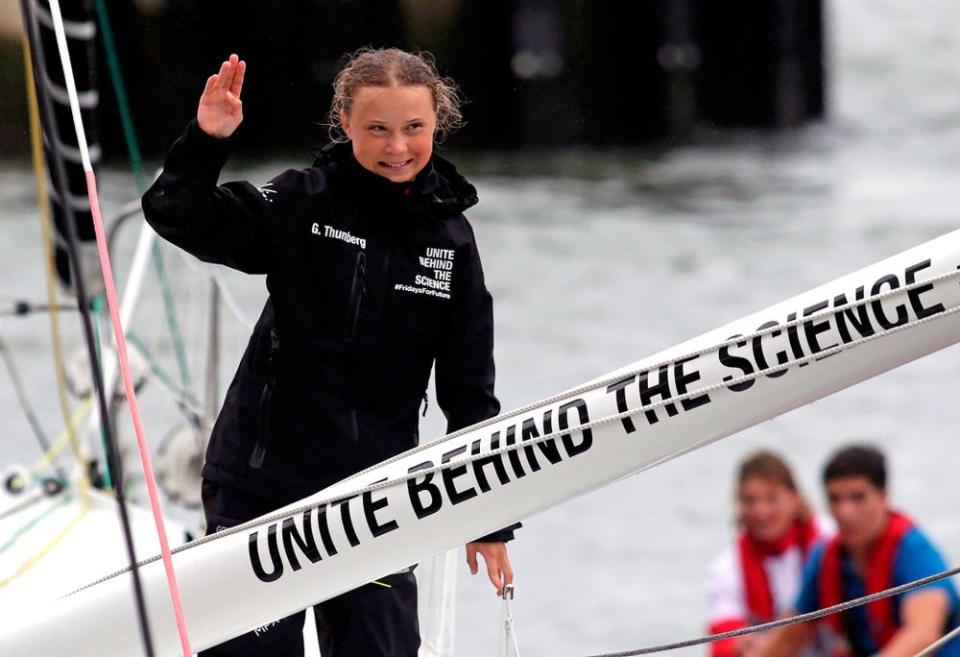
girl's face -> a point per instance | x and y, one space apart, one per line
767 508
391 129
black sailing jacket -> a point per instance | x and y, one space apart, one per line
371 282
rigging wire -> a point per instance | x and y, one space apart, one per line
68 437
46 223
939 643
65 437
792 620
47 112
226 295
49 488
112 304
25 404
133 208
108 474
187 403
25 503
15 536
136 163
46 549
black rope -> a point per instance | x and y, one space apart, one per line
793 620
60 182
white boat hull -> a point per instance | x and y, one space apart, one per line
244 580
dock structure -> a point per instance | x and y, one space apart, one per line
537 73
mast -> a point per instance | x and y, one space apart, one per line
51 39
81 31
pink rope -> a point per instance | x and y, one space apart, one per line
155 504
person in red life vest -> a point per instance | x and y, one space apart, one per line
875 548
757 579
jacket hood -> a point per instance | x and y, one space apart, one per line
438 189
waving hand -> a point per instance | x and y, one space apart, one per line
220 110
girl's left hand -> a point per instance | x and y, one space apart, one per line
495 557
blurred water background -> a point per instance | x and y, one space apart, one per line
598 259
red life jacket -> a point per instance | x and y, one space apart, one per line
879 576
756 585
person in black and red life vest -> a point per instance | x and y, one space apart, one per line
374 279
757 579
876 548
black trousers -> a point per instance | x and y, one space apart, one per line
370 621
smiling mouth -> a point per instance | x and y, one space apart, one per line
396 165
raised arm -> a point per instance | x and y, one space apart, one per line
229 224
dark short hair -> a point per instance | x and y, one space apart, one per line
858 461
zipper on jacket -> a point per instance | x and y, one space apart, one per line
263 415
357 290
384 287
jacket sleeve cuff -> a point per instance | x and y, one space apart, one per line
200 152
501 535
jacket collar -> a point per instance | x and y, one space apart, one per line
438 189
